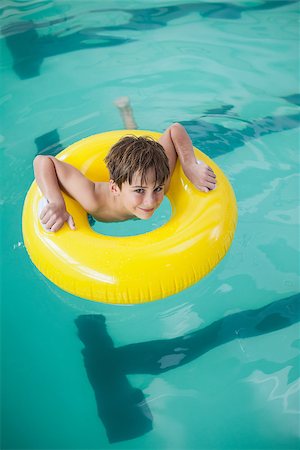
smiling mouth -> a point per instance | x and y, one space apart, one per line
147 210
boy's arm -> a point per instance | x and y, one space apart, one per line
177 143
52 177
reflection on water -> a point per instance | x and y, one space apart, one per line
279 383
29 49
48 143
215 139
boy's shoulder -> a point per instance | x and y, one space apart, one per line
101 208
101 194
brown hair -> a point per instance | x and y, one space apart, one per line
133 154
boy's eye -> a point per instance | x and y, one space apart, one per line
142 191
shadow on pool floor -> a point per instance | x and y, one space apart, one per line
122 408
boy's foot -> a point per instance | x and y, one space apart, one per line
123 104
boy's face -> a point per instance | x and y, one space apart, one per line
142 199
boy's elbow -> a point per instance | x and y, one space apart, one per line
176 130
36 161
177 126
41 163
39 159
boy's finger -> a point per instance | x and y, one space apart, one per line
43 212
49 224
57 226
202 188
46 217
211 179
71 223
211 186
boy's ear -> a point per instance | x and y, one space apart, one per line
114 188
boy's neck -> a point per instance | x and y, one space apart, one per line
110 206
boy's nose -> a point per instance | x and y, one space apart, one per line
149 201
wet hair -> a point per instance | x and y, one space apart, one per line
132 154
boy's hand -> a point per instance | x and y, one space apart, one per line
54 215
202 176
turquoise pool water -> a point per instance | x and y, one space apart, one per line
217 365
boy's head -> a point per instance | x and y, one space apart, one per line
138 168
132 155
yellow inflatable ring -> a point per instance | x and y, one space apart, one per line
133 269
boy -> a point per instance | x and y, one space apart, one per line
140 172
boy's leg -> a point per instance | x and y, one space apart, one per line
123 105
177 143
